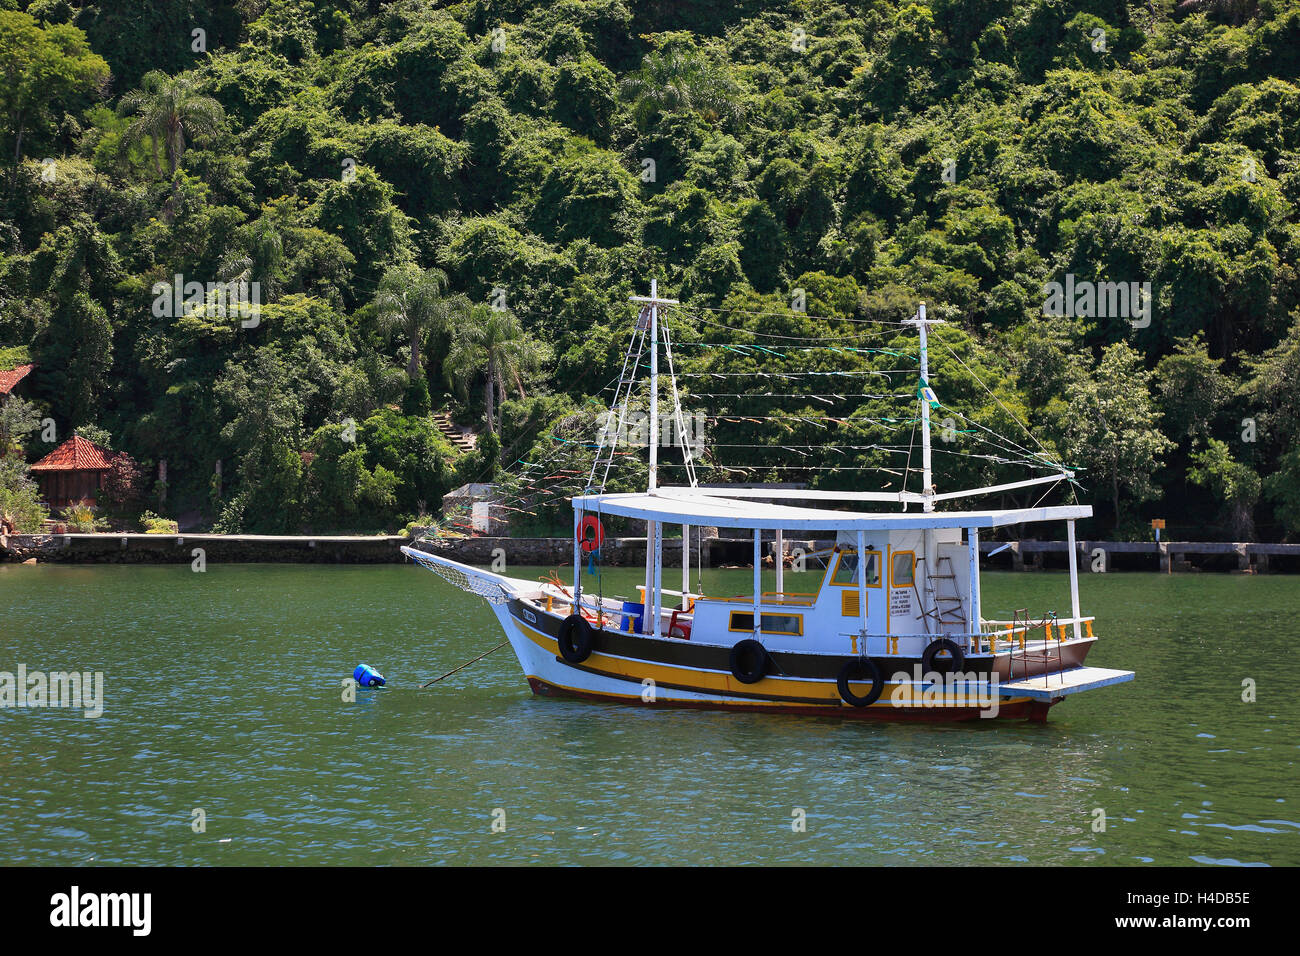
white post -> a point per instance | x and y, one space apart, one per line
1074 576
973 540
658 575
654 384
686 564
758 582
778 553
652 554
927 474
647 599
577 562
862 590
927 478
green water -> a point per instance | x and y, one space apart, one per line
222 692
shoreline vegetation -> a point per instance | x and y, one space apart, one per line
286 264
199 549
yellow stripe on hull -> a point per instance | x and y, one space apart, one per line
770 691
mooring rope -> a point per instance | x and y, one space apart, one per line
463 666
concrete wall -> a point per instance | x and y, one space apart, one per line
217 548
558 552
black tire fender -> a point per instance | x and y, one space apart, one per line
954 663
857 670
749 661
575 639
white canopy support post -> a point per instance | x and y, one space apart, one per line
862 591
758 583
1074 576
658 599
778 555
973 540
686 565
577 561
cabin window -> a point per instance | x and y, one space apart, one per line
903 574
846 570
791 624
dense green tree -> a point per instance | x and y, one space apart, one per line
492 343
412 301
1111 428
169 111
43 69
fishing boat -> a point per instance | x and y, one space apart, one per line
893 629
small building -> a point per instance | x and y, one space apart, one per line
73 472
10 378
475 507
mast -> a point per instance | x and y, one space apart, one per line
927 476
654 384
654 533
926 395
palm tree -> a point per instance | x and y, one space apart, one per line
412 300
260 261
169 109
492 342
672 80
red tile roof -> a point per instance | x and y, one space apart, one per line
75 454
12 377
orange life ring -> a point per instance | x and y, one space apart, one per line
590 534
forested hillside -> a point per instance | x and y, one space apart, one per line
444 207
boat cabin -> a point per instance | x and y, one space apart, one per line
892 584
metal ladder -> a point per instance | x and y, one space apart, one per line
949 609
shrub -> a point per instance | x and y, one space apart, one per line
82 519
153 524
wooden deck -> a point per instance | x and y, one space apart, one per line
1064 683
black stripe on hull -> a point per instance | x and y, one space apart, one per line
684 653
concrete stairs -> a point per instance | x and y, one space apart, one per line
461 438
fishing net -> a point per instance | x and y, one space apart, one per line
460 576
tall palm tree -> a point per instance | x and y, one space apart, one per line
168 109
494 343
412 300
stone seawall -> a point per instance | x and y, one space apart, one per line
216 548
615 552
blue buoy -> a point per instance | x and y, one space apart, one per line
367 676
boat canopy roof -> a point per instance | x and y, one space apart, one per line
704 507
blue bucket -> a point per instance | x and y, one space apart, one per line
633 613
367 676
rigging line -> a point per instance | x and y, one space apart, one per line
817 395
786 315
677 409
984 428
644 330
1050 489
907 466
792 338
784 350
995 398
844 372
1042 459
796 417
781 467
622 377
